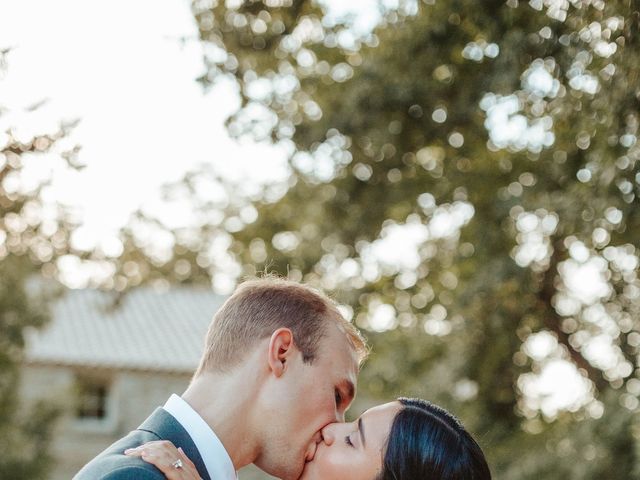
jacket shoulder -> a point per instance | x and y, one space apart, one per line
132 472
112 464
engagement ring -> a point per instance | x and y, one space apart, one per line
177 464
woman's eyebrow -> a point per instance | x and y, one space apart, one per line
361 430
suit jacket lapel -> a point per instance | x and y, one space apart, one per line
166 427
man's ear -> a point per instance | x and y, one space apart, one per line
281 347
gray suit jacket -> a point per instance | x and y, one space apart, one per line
113 465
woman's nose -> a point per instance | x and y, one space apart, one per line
329 433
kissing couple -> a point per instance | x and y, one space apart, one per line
278 373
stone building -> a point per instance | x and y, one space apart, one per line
108 366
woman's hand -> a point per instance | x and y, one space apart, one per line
167 458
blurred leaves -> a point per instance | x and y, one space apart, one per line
465 180
34 234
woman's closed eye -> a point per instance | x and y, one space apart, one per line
348 441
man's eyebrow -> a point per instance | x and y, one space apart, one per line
361 430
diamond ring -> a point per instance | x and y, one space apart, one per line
177 464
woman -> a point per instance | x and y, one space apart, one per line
408 439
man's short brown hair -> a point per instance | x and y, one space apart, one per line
259 307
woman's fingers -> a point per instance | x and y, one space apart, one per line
171 461
186 460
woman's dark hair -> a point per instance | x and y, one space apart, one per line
427 442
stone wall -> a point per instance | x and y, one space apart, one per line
133 395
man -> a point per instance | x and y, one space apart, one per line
280 362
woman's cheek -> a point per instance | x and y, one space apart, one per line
323 466
332 465
340 465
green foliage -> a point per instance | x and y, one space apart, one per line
399 132
33 236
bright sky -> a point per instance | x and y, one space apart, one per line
121 69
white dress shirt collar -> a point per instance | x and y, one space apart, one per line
213 453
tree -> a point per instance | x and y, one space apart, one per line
34 235
459 175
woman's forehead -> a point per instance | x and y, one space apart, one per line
378 419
